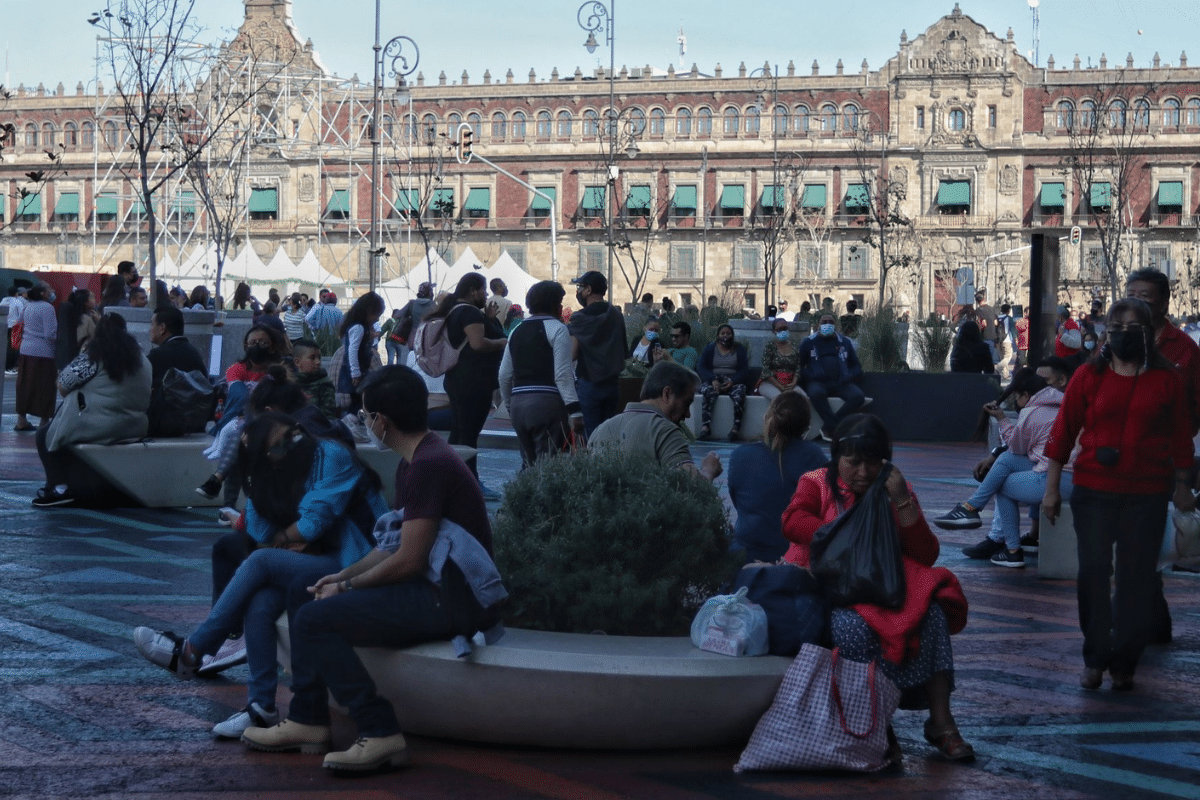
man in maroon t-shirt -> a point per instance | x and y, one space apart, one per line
383 600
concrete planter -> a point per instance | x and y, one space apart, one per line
929 407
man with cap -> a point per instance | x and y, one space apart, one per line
599 331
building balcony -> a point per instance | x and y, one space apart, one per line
1048 220
682 221
1172 219
952 221
686 278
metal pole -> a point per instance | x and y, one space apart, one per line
612 139
373 268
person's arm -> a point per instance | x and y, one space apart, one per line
409 561
354 338
506 378
564 373
917 541
325 502
804 514
742 372
376 556
853 367
1051 499
75 374
689 357
704 366
478 341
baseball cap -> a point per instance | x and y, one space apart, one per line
593 280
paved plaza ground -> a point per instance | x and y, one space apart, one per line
82 715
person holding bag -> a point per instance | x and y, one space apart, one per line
911 643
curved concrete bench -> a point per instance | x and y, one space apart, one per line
574 690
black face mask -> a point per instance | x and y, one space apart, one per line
1128 345
581 299
258 353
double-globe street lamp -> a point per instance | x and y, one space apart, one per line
401 55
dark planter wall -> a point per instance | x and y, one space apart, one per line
929 407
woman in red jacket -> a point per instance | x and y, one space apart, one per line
1129 412
912 643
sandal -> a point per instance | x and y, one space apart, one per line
23 428
949 742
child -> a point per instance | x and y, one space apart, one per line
315 382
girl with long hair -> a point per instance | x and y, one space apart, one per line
358 345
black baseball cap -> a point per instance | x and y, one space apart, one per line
593 280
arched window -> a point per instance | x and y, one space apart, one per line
828 118
800 120
476 123
1141 114
1087 115
1170 109
87 135
637 121
1193 111
364 128
31 135
70 135
564 125
499 127
658 123
1066 115
48 135
452 123
850 118
591 123
410 128
683 122
429 129
731 121
753 124
518 126
1116 115
545 125
704 122
956 120
781 120
110 135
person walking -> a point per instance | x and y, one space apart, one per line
37 372
599 331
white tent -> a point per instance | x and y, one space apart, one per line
399 291
309 270
516 279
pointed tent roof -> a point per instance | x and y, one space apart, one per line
281 265
518 280
399 291
310 270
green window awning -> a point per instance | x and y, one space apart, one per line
137 209
814 196
639 197
409 200
30 205
66 204
185 202
107 204
858 196
1101 195
954 193
262 200
685 198
1170 193
772 196
1054 195
479 199
541 203
733 198
593 198
339 202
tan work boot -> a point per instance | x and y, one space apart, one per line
289 735
371 753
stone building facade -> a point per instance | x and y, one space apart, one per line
749 184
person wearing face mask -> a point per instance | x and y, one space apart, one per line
1021 451
828 365
724 368
642 348
780 362
1130 414
599 332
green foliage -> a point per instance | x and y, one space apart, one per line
933 338
597 540
878 343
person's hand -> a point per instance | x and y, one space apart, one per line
328 590
356 381
983 467
322 587
994 411
716 384
711 467
897 486
1051 503
493 309
1184 500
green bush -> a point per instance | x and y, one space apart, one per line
933 338
878 343
597 540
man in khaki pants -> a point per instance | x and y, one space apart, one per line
1005 333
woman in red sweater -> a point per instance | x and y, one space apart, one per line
1128 411
912 643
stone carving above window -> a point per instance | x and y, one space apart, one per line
954 55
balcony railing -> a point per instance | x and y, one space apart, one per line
1172 219
948 221
1043 220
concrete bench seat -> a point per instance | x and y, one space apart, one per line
574 690
1058 552
752 417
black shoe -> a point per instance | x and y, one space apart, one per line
49 497
984 550
210 488
1029 543
1009 558
960 518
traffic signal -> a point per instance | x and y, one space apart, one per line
465 135
1076 235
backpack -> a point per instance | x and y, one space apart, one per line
404 330
183 404
435 355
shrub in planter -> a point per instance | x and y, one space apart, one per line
878 344
933 338
596 540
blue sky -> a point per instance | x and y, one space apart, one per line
543 34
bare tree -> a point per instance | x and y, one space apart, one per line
424 201
880 205
36 179
1106 165
637 228
172 95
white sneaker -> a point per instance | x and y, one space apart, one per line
253 715
163 649
231 654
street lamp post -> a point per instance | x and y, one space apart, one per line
596 16
766 74
400 67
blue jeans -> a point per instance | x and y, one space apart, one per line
1023 487
252 602
599 400
819 394
325 632
1006 464
395 352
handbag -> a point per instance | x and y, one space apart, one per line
857 556
829 713
791 597
731 625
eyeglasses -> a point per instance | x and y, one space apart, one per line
1131 328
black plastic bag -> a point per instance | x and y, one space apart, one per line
857 556
184 404
796 610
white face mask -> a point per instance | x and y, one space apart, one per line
376 442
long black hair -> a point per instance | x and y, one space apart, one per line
466 284
862 435
360 314
273 476
1024 381
114 349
